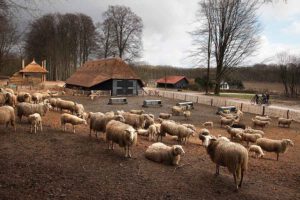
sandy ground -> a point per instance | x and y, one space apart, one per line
63 165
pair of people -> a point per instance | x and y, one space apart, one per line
265 98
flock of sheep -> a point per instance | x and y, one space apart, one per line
123 128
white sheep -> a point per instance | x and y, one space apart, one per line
257 150
263 118
277 146
177 110
71 119
138 112
235 133
187 114
26 109
65 105
254 131
250 137
208 124
153 131
165 115
7 115
228 154
284 122
38 97
258 123
122 134
35 120
181 131
137 121
24 97
161 153
143 132
225 121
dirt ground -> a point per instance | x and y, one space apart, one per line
63 165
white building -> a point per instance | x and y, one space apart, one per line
224 85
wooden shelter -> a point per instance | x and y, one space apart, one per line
106 74
33 73
177 82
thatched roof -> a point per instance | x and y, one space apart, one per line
98 71
33 67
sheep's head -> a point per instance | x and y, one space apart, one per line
204 131
178 150
119 118
206 139
289 142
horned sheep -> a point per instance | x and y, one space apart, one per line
276 146
161 153
122 134
35 120
228 154
71 119
7 115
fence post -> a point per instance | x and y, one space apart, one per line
197 99
185 97
288 114
263 112
211 102
173 95
241 106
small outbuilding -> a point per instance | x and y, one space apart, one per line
111 74
31 74
177 82
224 85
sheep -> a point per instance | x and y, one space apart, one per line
24 97
137 121
138 112
204 131
93 117
53 102
248 137
153 131
123 134
239 113
7 115
277 146
79 110
254 131
152 116
4 98
228 116
65 105
182 132
263 118
259 123
148 121
225 121
38 97
187 114
4 90
161 153
26 109
284 122
143 132
220 137
177 110
165 115
234 132
35 120
8 98
228 154
257 150
71 119
208 124
190 126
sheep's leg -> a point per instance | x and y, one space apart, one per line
126 155
217 170
277 156
30 128
35 128
129 152
112 145
242 176
234 177
108 145
41 126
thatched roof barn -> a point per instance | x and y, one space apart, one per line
33 73
106 74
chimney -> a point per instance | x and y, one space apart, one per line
23 64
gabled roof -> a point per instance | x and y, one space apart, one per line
98 71
171 79
33 67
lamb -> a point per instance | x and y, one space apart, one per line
177 110
24 97
26 109
254 131
137 121
257 150
165 115
225 121
7 115
138 112
182 132
259 123
228 154
153 130
248 137
277 146
263 118
284 122
234 132
161 153
187 114
208 124
71 119
122 134
35 120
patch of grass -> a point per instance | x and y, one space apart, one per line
237 95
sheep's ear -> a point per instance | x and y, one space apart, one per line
201 137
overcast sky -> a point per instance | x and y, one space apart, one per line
166 39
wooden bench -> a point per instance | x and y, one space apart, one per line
153 103
226 109
187 104
118 100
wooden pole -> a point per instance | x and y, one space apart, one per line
241 106
263 111
288 114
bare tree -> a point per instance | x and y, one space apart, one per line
106 45
234 29
125 28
